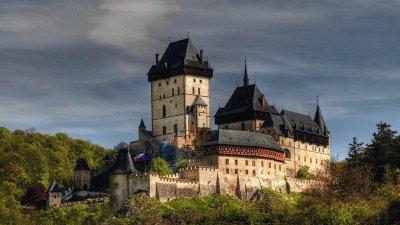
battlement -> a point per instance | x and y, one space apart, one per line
208 168
178 180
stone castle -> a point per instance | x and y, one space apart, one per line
254 147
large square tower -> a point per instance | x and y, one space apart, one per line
180 93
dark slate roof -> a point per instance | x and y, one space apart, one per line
180 54
301 122
246 99
280 123
53 187
81 164
123 163
242 138
319 119
142 124
199 101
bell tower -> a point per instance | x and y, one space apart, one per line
180 93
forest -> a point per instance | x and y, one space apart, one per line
364 188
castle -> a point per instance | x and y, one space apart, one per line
254 147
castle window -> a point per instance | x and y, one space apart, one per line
236 162
316 161
163 95
167 82
298 159
201 81
164 130
194 80
164 111
236 171
192 90
173 91
55 196
269 165
279 167
310 160
175 81
305 159
115 185
254 172
262 163
253 163
227 161
159 84
243 126
283 142
176 105
198 90
274 166
175 128
227 171
246 163
179 90
247 172
290 143
287 154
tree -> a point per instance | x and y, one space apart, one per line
355 151
160 166
34 193
304 172
182 164
121 145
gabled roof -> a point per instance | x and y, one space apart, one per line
280 123
301 122
180 54
81 164
53 187
242 138
246 99
123 163
199 101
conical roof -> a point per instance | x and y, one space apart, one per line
123 163
142 124
199 101
81 164
319 119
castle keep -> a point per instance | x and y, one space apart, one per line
254 147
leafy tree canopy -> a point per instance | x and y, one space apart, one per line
160 166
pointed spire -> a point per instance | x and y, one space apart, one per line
246 76
319 119
142 124
123 163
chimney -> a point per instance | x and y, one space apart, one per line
201 56
157 58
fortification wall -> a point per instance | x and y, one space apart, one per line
299 185
208 180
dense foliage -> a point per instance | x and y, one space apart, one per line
29 161
160 166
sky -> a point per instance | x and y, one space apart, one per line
79 66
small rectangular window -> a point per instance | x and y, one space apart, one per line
198 91
236 162
175 81
279 167
159 84
164 130
269 165
175 128
173 91
179 90
246 163
236 171
192 90
194 80
262 163
167 82
254 172
247 172
253 163
201 81
227 161
227 171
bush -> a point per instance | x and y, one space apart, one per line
160 166
304 172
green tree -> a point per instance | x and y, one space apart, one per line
182 164
355 152
304 172
160 166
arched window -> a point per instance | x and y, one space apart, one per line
164 111
287 154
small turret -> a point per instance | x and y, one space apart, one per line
142 130
82 175
319 119
246 76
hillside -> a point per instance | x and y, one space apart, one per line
31 159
